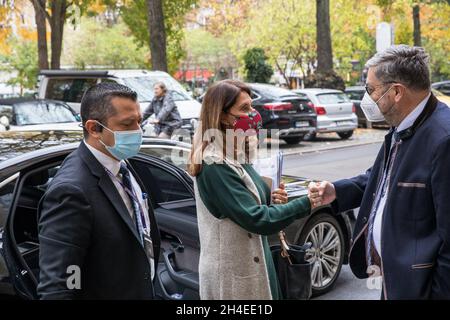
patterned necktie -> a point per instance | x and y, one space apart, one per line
126 180
383 188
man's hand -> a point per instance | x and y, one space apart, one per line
280 196
321 193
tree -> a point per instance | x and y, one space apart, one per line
23 61
157 35
323 37
112 47
204 50
56 13
257 70
41 33
135 15
416 19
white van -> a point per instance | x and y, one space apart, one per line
70 85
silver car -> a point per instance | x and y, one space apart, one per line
335 111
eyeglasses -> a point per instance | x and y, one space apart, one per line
372 90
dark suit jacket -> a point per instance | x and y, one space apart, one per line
84 222
415 248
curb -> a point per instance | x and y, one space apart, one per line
290 153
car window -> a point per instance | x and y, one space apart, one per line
42 112
143 85
6 111
275 92
335 97
68 90
355 95
162 184
176 156
6 195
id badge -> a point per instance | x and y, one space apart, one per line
148 245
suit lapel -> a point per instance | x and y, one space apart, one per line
106 185
110 191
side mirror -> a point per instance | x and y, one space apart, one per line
78 117
4 121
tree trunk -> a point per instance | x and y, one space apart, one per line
416 19
39 7
58 16
323 38
157 35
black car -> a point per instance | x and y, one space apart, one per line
443 86
284 111
356 94
160 165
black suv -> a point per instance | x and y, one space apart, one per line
285 111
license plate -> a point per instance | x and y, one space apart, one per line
344 123
300 124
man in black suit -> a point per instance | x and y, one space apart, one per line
98 235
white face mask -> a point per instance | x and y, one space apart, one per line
371 109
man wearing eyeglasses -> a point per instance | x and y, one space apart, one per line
402 232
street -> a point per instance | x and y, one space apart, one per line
332 165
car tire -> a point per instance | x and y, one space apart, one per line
334 246
345 135
292 140
311 136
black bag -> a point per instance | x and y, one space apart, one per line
294 272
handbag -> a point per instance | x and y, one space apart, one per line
294 272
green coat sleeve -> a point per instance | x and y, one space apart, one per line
226 196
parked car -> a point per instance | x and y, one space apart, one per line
335 111
23 114
161 166
284 111
442 97
443 87
70 85
355 94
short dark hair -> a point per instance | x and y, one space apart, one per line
96 103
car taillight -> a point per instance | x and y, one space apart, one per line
278 106
353 108
320 110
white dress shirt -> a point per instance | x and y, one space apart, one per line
113 165
405 124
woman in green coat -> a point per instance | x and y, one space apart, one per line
236 209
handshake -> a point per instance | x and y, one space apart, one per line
321 193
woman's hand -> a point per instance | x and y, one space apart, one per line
280 196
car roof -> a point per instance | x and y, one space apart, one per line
440 82
13 101
355 88
282 92
68 147
317 90
115 73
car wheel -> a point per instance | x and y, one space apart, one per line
345 135
311 136
292 140
326 253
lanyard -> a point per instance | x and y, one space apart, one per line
132 195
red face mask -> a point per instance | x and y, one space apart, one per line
252 121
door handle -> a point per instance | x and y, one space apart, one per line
186 278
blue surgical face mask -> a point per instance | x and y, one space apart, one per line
126 143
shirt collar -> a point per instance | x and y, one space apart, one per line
413 115
109 163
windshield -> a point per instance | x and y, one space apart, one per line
355 95
143 85
330 98
42 112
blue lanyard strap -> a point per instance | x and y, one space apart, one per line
132 195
